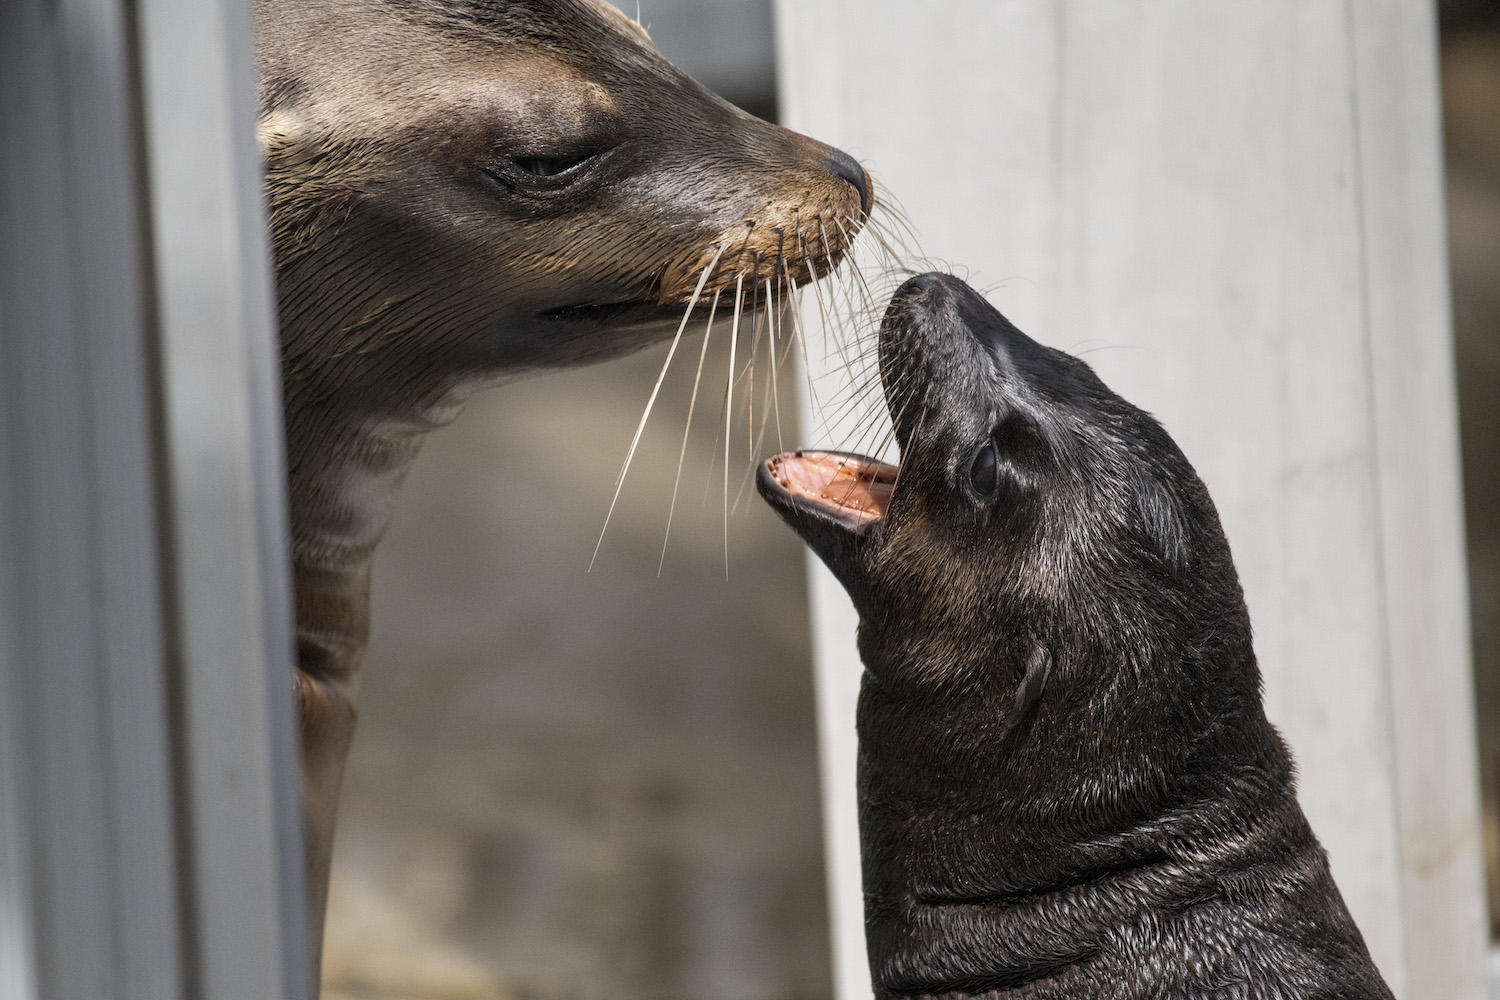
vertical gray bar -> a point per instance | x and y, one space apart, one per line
88 878
227 491
149 839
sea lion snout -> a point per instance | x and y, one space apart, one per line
961 377
930 311
846 167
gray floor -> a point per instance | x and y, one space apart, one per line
571 784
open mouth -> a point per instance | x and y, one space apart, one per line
851 489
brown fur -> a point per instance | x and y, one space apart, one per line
420 256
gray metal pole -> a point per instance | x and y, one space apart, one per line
222 430
149 845
89 903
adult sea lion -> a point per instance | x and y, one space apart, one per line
464 190
1067 783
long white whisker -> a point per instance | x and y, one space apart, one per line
641 427
839 317
755 324
734 336
755 449
801 339
775 392
686 430
831 328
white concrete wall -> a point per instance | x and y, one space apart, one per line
1234 212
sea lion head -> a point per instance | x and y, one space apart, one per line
490 185
1045 592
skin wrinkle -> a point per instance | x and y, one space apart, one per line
1132 831
462 191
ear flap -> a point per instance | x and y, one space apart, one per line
1029 691
1162 523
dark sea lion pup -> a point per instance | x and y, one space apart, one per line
1067 784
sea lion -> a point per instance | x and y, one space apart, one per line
1068 787
465 190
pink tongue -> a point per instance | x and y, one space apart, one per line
857 486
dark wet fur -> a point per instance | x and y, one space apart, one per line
1068 786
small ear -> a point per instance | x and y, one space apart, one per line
1162 523
1029 691
280 134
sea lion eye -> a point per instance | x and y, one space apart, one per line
538 173
550 166
548 170
984 472
542 173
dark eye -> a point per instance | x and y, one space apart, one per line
984 473
550 166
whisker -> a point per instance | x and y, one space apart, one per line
833 320
759 445
861 398
800 338
859 275
775 392
734 336
687 429
843 318
641 427
816 286
892 207
756 325
899 241
916 431
848 301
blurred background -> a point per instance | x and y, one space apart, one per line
573 784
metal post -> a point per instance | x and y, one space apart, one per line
223 436
149 843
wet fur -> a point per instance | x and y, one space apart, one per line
1068 787
418 259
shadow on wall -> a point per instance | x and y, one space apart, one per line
1471 119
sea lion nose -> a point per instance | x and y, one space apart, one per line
916 295
844 166
939 294
925 282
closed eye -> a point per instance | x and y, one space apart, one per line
551 166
